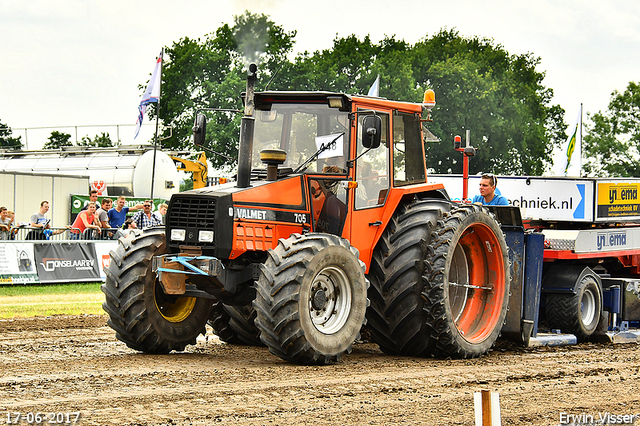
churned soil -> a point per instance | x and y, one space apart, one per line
69 364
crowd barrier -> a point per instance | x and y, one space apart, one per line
51 261
28 233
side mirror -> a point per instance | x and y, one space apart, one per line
200 130
371 131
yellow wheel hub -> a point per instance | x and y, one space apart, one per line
176 311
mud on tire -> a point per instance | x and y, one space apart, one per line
311 298
143 316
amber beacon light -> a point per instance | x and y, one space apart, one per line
429 99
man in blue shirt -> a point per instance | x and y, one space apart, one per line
488 195
118 214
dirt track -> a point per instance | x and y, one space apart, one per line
70 364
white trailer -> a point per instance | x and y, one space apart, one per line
114 171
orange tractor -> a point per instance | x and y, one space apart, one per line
330 224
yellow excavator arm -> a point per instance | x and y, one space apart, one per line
198 167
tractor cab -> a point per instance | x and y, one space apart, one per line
351 153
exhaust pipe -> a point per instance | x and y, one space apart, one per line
246 130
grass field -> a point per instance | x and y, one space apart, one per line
46 300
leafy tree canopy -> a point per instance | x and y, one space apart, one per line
57 140
479 86
612 140
210 73
102 140
6 140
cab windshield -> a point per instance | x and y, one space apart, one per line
301 130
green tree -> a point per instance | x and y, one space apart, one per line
6 140
612 140
58 140
480 86
102 140
211 74
499 97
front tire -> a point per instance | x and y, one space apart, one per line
311 298
143 316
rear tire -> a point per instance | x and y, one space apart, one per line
311 298
143 316
219 322
235 324
576 313
468 277
396 317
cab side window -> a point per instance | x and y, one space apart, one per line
372 169
408 158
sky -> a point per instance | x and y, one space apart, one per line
75 65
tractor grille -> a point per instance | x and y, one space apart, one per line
192 214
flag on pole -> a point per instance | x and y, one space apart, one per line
571 144
374 90
152 94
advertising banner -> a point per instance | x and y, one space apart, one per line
616 199
79 201
17 264
66 262
539 198
102 249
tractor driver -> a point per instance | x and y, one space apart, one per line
488 195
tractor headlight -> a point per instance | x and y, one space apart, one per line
178 234
205 236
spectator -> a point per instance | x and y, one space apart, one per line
145 218
129 224
5 224
14 231
103 216
118 214
93 198
128 228
86 219
162 211
39 220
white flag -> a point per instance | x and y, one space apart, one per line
374 90
152 94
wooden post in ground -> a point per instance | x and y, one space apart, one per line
487 408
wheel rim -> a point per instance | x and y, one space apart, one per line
330 300
172 308
458 283
476 283
588 307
